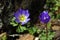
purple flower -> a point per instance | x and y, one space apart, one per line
22 16
44 17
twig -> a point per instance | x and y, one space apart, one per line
13 35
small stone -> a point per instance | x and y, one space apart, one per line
37 38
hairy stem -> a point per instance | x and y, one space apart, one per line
46 32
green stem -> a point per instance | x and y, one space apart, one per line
46 32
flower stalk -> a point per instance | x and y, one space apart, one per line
46 32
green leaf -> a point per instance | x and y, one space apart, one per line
58 16
49 25
38 31
56 8
51 13
42 35
32 30
13 18
13 23
21 29
3 37
28 24
43 38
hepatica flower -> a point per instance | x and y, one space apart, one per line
22 16
44 17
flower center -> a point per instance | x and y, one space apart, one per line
22 18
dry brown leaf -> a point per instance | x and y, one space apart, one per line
56 27
26 37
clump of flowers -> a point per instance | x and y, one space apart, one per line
22 16
44 17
